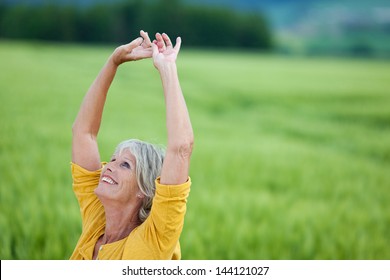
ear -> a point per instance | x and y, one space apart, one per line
140 195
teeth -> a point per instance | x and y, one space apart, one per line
108 180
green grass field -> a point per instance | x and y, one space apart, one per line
291 156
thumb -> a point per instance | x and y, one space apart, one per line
178 44
154 49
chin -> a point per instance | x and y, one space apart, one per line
104 193
100 191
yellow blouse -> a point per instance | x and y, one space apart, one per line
157 238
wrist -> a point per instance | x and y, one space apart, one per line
167 68
113 62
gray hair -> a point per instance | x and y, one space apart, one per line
149 159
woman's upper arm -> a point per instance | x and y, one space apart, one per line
175 169
85 152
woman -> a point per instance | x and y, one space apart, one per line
133 207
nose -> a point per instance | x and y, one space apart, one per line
110 166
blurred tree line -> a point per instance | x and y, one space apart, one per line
120 21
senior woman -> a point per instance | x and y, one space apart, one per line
133 207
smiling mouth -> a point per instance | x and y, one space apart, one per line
109 180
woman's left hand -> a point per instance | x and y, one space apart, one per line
137 49
163 50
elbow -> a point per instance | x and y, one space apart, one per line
80 131
76 129
183 148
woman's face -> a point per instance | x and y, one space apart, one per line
118 179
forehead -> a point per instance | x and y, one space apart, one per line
126 154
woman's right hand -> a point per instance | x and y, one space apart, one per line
137 49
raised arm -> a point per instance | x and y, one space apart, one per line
86 126
176 164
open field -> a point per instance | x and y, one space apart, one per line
291 159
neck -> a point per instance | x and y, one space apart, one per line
120 223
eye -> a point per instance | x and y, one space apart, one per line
112 160
125 165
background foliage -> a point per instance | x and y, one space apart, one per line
291 155
119 21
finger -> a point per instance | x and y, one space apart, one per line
146 38
160 42
178 44
144 53
159 37
167 41
135 43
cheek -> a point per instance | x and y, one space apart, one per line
103 170
128 181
